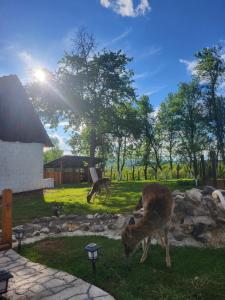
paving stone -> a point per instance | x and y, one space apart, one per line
96 292
79 297
54 283
64 294
36 282
69 278
37 288
4 260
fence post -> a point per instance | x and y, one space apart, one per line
7 217
203 169
213 164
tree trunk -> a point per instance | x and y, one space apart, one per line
178 171
92 148
111 172
92 140
118 159
133 178
195 167
146 172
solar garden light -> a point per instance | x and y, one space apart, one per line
19 235
57 209
4 279
92 250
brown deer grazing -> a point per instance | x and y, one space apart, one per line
102 183
158 206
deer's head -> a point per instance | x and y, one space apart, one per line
128 239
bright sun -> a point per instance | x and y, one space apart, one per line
40 75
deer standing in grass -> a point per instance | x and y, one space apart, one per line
100 184
158 206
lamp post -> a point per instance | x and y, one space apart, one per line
92 250
4 279
19 235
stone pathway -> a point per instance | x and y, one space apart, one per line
35 281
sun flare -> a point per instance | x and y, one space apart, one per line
40 75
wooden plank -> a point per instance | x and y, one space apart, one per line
7 217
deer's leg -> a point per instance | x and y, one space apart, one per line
162 241
147 242
93 197
168 260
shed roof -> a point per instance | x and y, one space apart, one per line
70 161
18 120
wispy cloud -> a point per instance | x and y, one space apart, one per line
127 8
121 36
141 75
155 90
152 50
118 38
190 65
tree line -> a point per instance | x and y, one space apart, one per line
93 90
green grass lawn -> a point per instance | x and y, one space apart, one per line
125 195
195 273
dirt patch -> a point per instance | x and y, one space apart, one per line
50 245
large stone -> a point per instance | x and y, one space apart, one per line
194 195
207 221
97 228
45 230
90 217
177 193
36 233
84 226
208 190
121 222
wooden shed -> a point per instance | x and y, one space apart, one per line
71 169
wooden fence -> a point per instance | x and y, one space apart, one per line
6 210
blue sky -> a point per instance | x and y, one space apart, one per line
160 35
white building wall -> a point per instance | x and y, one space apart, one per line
21 166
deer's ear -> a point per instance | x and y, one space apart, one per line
131 221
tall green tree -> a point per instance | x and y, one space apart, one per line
88 87
145 111
191 128
167 120
125 129
210 68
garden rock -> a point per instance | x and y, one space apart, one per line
197 220
97 228
208 190
36 233
45 230
89 217
121 222
194 195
